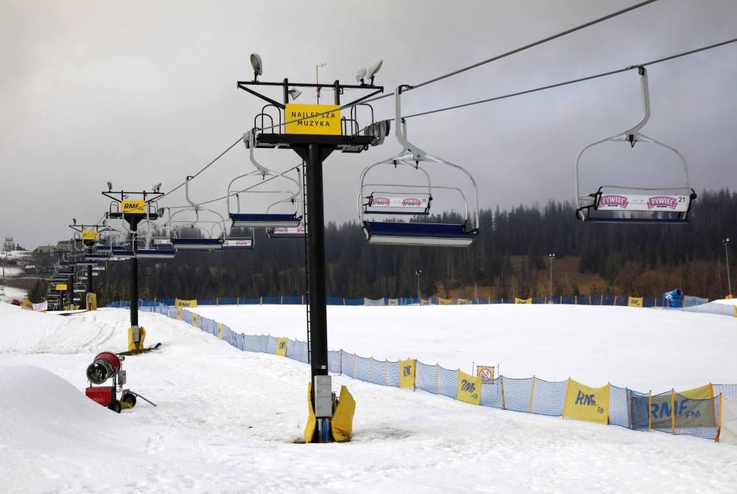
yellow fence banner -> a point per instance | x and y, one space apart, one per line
178 302
735 311
195 320
587 404
220 330
685 409
522 300
462 301
179 313
485 372
469 388
634 302
281 347
445 301
407 373
392 301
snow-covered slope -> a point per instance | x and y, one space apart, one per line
229 421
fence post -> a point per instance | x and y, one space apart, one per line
673 410
501 386
532 394
649 408
565 403
719 424
437 379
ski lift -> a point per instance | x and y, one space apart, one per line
199 234
384 202
632 203
238 240
152 242
80 287
279 186
286 232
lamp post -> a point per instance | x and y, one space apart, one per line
317 81
725 243
551 257
418 273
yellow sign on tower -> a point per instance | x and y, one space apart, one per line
89 234
313 119
133 207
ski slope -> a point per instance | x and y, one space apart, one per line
230 421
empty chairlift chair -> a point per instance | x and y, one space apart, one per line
153 242
238 240
385 207
628 202
279 191
196 234
287 232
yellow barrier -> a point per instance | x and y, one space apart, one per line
468 388
587 404
407 373
281 347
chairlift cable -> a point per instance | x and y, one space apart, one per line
483 62
573 81
242 190
203 169
534 44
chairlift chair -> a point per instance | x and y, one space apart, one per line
238 240
281 186
385 202
195 235
287 232
622 203
151 243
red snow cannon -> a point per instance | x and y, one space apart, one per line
107 366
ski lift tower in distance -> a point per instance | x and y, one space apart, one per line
314 132
133 211
87 235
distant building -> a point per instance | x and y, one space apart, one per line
64 246
30 269
45 250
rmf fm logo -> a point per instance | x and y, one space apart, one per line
588 400
282 345
468 387
407 370
134 207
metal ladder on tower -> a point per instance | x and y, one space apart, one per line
307 259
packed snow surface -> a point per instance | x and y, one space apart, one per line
230 421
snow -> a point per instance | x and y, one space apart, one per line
8 293
230 421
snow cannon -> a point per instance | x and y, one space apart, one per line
105 366
108 366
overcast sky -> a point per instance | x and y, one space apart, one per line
142 92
